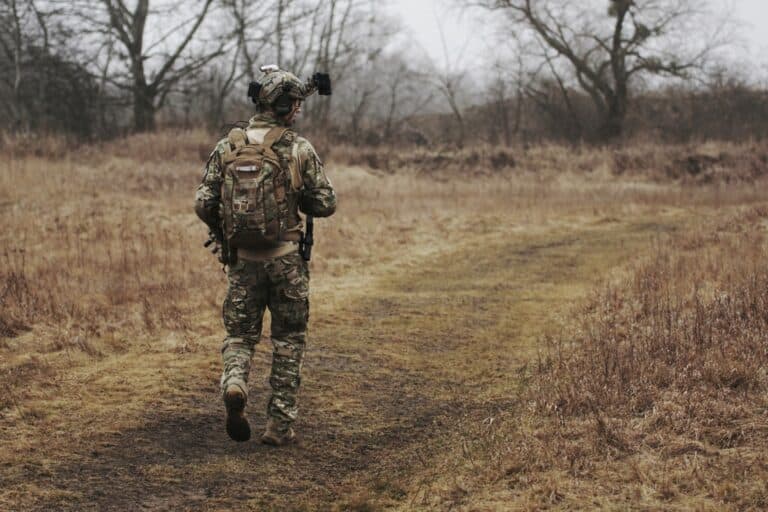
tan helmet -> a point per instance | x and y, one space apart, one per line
276 84
277 89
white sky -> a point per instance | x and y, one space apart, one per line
465 36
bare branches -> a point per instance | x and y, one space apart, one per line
160 77
129 28
604 62
449 81
18 18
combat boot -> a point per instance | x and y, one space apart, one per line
237 424
278 433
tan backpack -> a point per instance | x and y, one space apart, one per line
255 193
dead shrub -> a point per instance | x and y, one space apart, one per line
675 336
50 146
501 160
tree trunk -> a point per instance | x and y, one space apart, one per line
504 113
16 103
279 33
518 113
143 109
493 120
613 121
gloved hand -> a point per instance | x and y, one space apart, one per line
213 241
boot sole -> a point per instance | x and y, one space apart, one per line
238 428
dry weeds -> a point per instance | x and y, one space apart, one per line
688 164
104 283
670 364
651 395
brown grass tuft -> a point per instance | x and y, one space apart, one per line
690 321
666 364
692 165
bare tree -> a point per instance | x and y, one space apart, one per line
218 84
365 69
16 16
150 87
281 7
260 28
337 47
303 29
643 39
250 34
449 85
42 81
394 87
506 94
548 90
449 82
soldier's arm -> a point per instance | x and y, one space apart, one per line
317 197
208 195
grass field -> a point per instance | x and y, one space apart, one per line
553 329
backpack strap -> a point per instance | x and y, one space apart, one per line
237 139
274 135
256 135
270 138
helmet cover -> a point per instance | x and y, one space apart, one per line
275 83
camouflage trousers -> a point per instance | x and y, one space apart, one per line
282 285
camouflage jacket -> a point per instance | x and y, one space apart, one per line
316 197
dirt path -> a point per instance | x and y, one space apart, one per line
395 371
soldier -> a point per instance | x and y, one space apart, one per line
255 183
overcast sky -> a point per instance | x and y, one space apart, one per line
465 35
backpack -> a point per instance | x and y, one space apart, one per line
259 191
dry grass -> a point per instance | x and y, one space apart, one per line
698 164
670 363
116 218
690 320
104 282
85 261
651 395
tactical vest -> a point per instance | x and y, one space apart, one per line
260 189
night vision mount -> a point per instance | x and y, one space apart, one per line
253 91
320 82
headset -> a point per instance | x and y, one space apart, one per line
283 105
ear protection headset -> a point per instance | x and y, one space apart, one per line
284 103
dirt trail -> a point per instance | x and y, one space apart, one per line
393 373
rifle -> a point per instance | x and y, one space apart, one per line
226 255
307 241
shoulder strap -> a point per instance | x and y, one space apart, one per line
270 138
237 139
296 182
274 135
255 135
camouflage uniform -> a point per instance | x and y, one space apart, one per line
279 283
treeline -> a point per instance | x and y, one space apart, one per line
100 68
732 111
